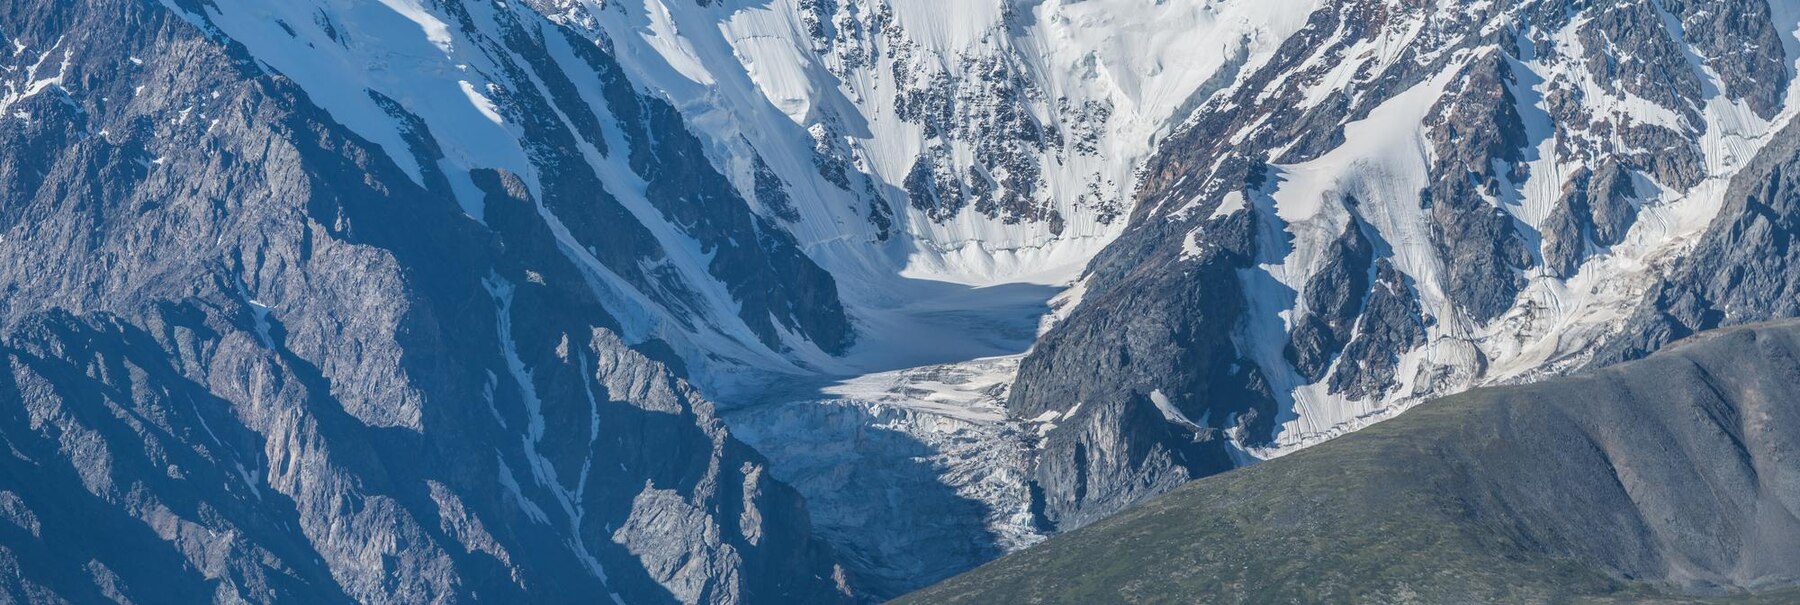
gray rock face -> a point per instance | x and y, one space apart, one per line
1739 40
989 106
1392 323
1660 73
1334 298
1596 210
1104 365
1660 70
1480 139
244 357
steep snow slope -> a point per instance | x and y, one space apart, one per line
984 142
448 88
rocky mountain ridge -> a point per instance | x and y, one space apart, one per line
249 356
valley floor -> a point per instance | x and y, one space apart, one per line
913 470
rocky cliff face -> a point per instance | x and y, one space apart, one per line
1418 198
247 353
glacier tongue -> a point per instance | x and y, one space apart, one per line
914 475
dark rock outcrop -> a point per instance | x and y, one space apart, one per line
1597 208
1168 318
1105 365
1392 323
1334 298
1479 138
1738 39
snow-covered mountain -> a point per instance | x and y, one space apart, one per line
1414 198
512 299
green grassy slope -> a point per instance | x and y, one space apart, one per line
1677 475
